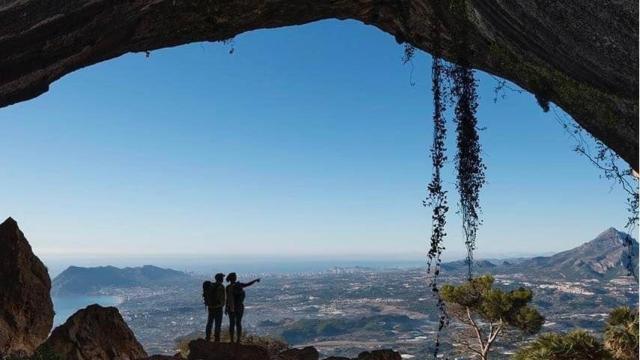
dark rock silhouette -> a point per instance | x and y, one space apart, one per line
203 350
379 355
26 310
307 353
95 333
162 357
384 354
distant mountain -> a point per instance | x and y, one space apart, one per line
86 280
461 265
604 257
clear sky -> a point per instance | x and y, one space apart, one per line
307 140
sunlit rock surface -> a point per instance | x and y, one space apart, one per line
95 333
26 310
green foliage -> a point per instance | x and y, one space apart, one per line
495 305
621 334
496 308
576 345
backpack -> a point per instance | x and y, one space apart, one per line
207 293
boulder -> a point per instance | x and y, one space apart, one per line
307 353
95 333
384 354
26 310
204 350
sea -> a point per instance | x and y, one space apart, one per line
65 306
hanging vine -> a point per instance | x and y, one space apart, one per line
469 166
437 196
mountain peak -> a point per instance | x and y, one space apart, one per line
607 256
610 232
611 237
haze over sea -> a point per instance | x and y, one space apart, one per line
209 266
253 264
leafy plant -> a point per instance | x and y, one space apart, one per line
621 334
575 345
487 312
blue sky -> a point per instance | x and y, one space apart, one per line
306 140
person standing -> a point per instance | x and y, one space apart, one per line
214 299
235 305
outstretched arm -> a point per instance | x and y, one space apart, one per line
251 282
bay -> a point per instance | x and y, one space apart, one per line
65 306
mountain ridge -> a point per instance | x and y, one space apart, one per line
604 257
76 280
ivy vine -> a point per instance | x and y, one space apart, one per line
470 168
437 196
469 165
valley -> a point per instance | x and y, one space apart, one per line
345 310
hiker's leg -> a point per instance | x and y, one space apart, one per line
207 330
218 324
239 325
232 324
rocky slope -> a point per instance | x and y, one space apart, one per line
95 333
26 310
604 257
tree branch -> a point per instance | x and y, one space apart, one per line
493 335
476 328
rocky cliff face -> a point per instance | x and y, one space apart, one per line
581 55
95 333
26 310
